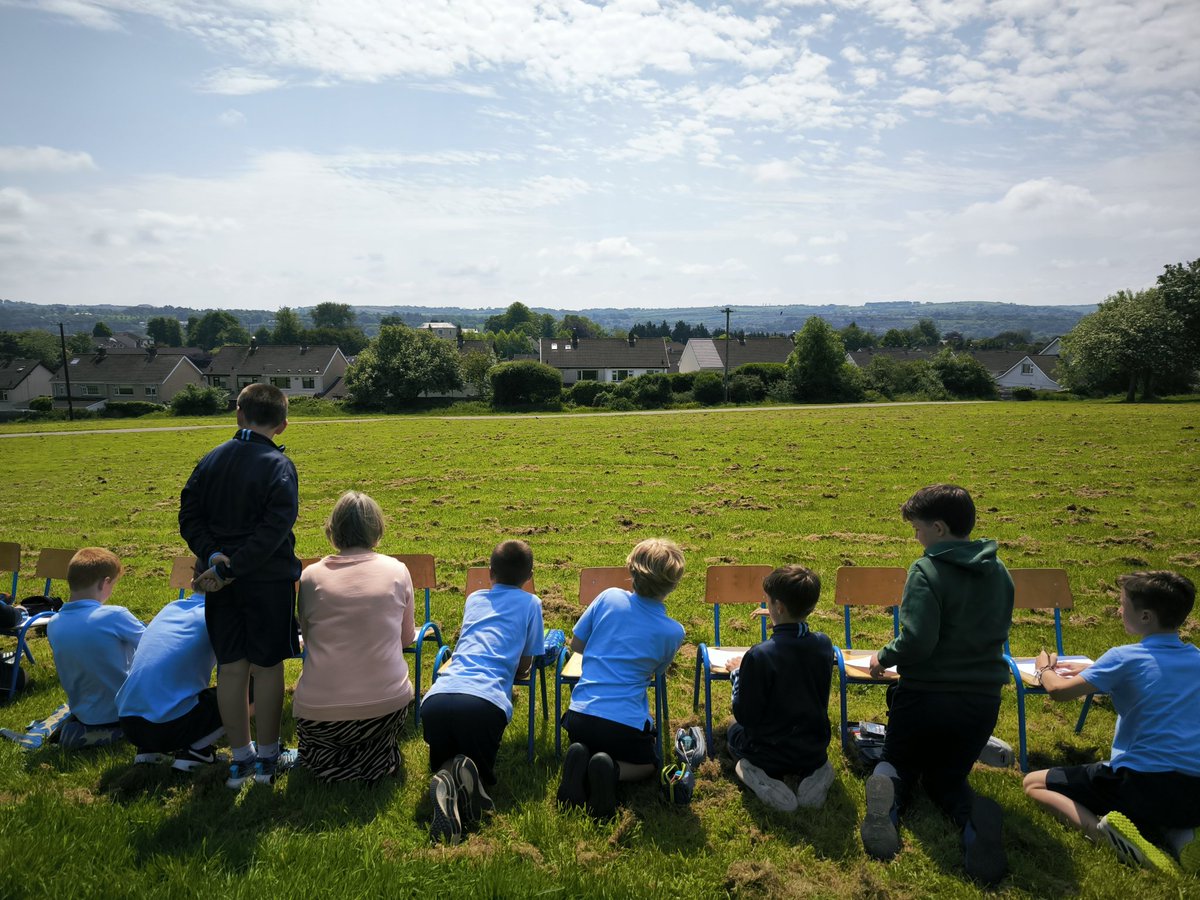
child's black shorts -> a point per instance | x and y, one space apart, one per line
620 741
1150 799
253 620
166 737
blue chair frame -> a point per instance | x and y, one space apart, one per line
592 581
1040 589
725 585
878 586
51 564
422 568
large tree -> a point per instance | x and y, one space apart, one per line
817 367
101 330
517 316
1179 286
1131 340
165 331
585 327
400 365
855 338
287 327
332 315
216 329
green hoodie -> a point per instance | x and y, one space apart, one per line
954 620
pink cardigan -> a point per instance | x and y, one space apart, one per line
356 615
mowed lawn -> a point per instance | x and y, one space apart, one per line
1098 489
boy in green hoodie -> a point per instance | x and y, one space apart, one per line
954 620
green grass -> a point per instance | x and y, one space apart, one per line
1099 489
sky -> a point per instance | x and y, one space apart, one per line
573 155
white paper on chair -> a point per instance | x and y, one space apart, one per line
719 658
862 662
1029 666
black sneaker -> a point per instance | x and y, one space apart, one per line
983 849
473 800
602 786
572 790
189 759
446 824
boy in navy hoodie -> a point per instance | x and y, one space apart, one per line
954 619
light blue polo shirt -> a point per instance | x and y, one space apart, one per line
1155 687
628 639
172 665
93 648
500 625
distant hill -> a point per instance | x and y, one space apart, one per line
972 319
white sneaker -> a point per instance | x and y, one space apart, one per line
811 792
770 791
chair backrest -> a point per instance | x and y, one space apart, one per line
183 570
869 586
52 565
735 584
1043 589
10 561
479 578
600 578
422 570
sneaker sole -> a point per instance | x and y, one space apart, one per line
812 791
471 795
571 790
236 784
445 823
1123 836
986 862
774 794
879 836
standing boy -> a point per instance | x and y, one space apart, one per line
629 639
1149 789
93 647
781 699
954 619
466 711
236 513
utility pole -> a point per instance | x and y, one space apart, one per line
727 310
62 340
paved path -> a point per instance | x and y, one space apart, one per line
567 415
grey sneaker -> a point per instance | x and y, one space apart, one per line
267 769
771 791
446 824
812 791
240 773
473 800
880 837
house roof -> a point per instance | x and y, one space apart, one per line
14 371
479 346
285 359
604 353
754 350
123 368
1052 348
197 355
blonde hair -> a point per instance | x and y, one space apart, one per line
655 565
90 566
356 521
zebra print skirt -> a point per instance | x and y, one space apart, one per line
357 750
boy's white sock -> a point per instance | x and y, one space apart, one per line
241 754
266 751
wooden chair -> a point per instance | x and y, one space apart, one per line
478 579
51 565
1040 589
725 585
864 586
570 665
183 570
422 569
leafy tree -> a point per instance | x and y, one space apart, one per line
954 340
1179 287
1006 340
392 320
523 382
165 331
548 327
101 330
855 338
708 388
1132 339
216 329
78 344
508 344
400 365
746 388
817 368
350 339
332 315
517 316
964 376
37 344
583 393
925 333
288 327
196 400
586 328
475 366
894 338
263 335
681 332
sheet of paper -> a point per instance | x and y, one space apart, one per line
719 657
1029 666
861 661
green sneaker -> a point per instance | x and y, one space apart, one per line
1123 836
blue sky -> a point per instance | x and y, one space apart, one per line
262 153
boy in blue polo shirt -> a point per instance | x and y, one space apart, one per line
466 711
166 704
1148 793
93 646
629 639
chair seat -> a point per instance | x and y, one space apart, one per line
1026 666
573 667
858 668
718 656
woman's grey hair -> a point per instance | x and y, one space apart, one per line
356 521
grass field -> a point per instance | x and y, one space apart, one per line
1099 489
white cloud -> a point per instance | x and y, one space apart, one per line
15 203
231 118
608 249
828 240
726 267
775 170
853 55
827 259
44 159
987 248
238 81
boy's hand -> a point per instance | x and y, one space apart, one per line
874 667
209 582
733 665
1072 667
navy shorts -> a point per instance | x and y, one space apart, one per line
1152 800
166 737
622 742
253 620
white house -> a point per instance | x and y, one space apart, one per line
1013 368
150 375
446 330
298 371
21 380
1054 348
708 354
604 359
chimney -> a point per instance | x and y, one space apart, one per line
574 338
151 352
253 345
633 340
101 352
742 339
459 339
303 349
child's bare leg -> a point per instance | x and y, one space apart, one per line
1060 805
627 771
268 701
233 685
